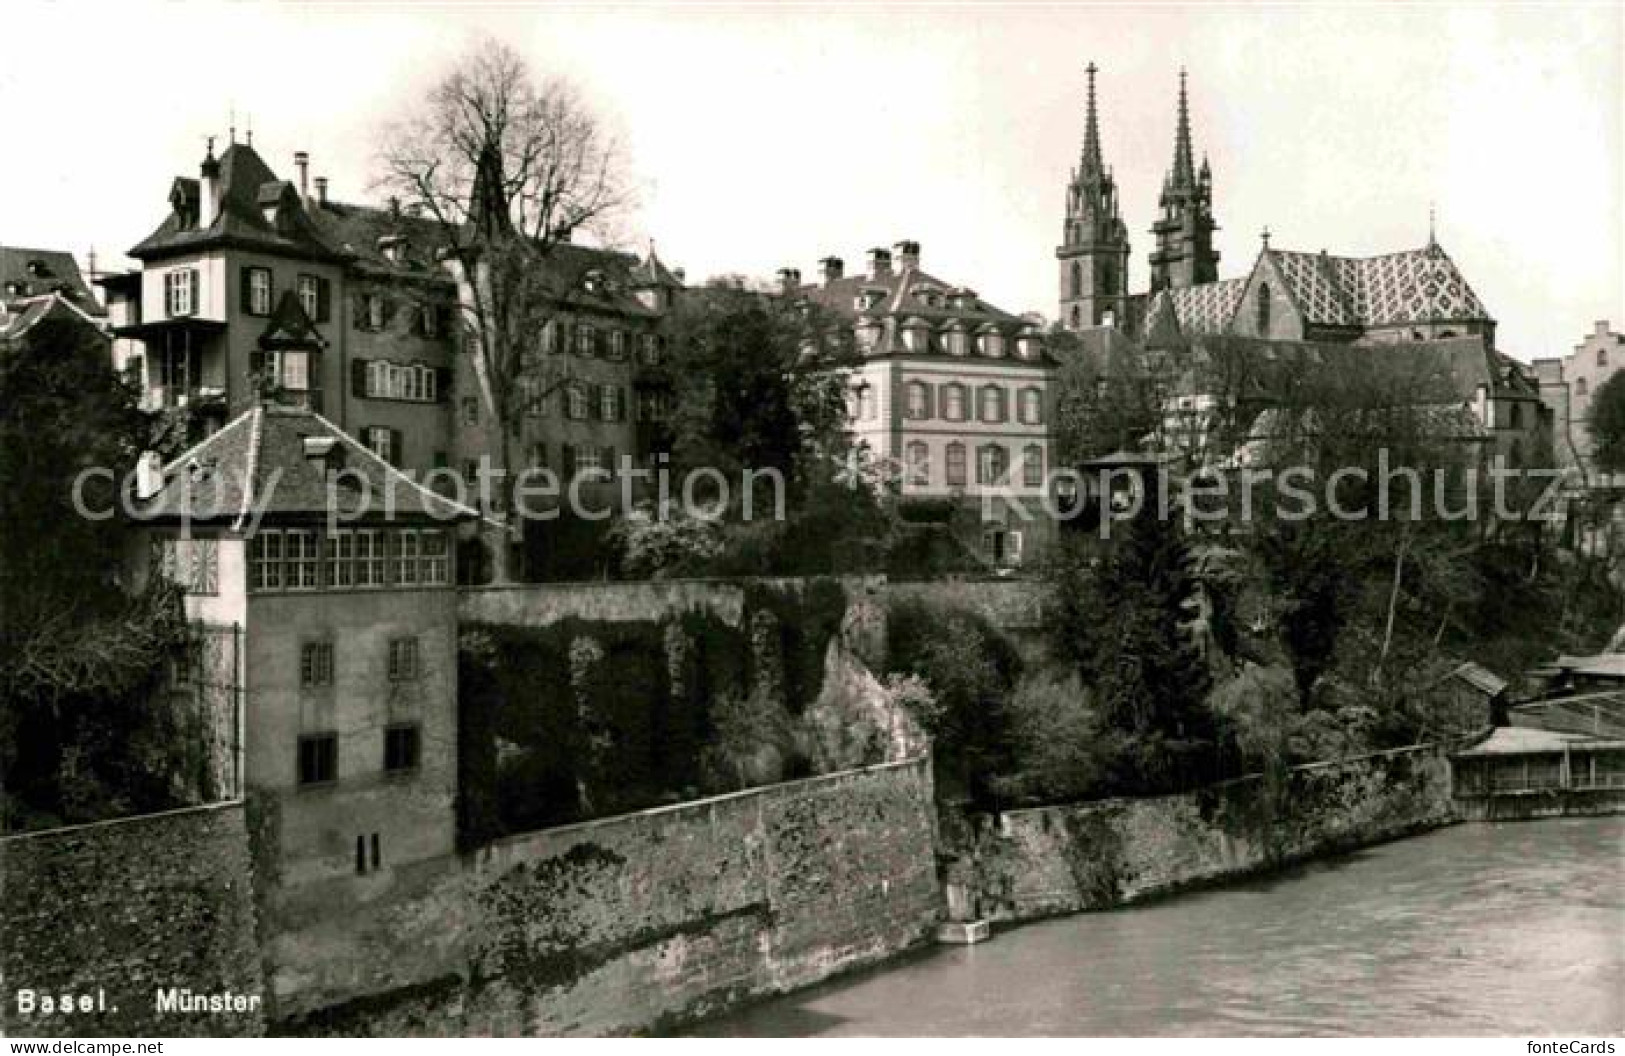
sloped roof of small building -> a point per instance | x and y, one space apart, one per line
1524 740
258 466
30 273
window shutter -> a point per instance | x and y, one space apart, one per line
595 396
609 462
930 398
256 362
324 300
358 377
245 287
387 309
567 461
191 279
358 311
442 384
397 450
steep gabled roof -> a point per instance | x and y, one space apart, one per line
40 272
1196 310
1414 286
257 466
248 188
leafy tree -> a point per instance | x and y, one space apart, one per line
78 659
1606 421
508 167
1119 624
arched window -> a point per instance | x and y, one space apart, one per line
992 462
955 462
990 406
919 400
918 457
953 402
1032 466
1032 407
1580 387
1077 318
1077 279
1263 309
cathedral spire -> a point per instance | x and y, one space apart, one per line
1092 164
1184 170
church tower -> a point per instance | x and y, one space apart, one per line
1094 248
1184 255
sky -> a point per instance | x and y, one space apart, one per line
759 138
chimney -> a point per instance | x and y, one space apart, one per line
321 190
834 268
324 450
394 208
301 162
908 255
789 279
149 475
879 263
209 188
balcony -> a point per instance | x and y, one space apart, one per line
160 397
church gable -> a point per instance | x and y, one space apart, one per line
1267 305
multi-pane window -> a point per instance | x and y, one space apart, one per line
991 399
617 344
534 392
575 403
302 554
265 561
991 463
402 381
380 440
318 758
585 339
404 551
289 370
471 410
259 292
341 559
953 402
429 320
647 348
589 462
181 291
954 466
305 559
372 306
919 400
1032 465
401 745
403 659
316 664
310 295
919 463
1032 407
609 403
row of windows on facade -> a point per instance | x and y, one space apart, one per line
183 293
950 402
579 402
918 336
319 754
587 460
992 464
294 559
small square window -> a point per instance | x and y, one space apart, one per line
401 748
318 759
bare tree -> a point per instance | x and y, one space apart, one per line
508 167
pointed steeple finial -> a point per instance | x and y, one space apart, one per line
1091 130
231 119
1184 172
1264 235
1432 226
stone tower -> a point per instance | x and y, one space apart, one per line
1094 248
1184 255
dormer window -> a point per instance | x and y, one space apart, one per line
38 269
16 289
593 281
991 344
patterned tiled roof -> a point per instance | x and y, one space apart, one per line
1416 286
1203 309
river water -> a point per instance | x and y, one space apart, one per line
1513 928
